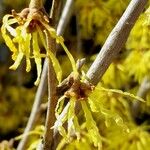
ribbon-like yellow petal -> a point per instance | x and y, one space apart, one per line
59 39
7 22
41 36
91 126
26 45
53 58
36 53
70 58
18 60
59 106
9 42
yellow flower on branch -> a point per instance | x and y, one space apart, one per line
22 33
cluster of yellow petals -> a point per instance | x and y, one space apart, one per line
24 40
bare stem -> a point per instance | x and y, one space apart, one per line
143 90
115 40
52 98
35 109
65 17
52 93
36 4
55 11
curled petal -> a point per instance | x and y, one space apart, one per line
77 126
59 106
26 40
60 40
61 119
70 58
91 126
17 62
9 42
56 66
39 69
19 55
11 30
36 53
7 22
41 36
54 60
28 63
71 114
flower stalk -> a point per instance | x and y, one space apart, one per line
52 97
36 4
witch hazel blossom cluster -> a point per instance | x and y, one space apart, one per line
23 32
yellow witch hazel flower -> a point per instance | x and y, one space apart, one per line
23 32
84 100
76 94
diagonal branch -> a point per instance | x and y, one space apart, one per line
115 40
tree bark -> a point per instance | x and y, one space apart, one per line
115 41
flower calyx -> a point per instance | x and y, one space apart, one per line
33 15
73 86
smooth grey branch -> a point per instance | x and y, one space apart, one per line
115 41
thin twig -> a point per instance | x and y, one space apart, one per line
55 11
52 85
65 17
79 40
52 98
145 86
43 85
115 41
52 13
143 90
35 109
